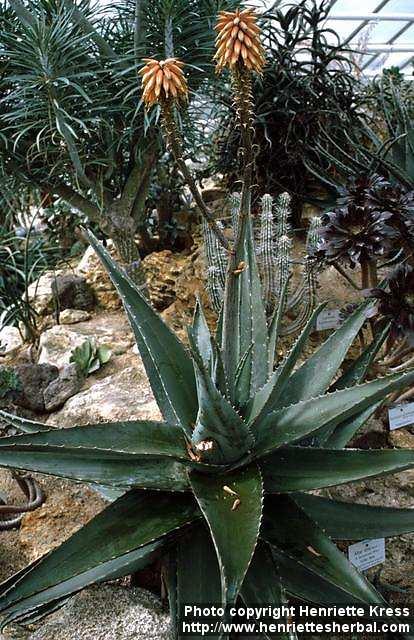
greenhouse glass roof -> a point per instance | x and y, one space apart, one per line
383 30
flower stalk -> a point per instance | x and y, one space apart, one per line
175 143
163 82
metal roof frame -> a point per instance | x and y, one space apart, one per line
374 50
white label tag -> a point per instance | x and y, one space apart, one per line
367 553
328 319
401 415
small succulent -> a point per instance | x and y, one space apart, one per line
352 235
89 357
396 303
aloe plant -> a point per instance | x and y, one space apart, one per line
226 458
218 490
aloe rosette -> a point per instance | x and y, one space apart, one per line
219 490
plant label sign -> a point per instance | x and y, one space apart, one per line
328 319
367 553
401 415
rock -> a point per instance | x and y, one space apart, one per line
72 292
73 316
402 439
65 290
56 345
162 270
10 340
67 508
106 612
122 396
90 267
210 194
40 293
191 281
62 388
110 330
34 378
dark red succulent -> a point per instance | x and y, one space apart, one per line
396 304
374 219
353 234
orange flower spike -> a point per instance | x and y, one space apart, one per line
161 80
238 41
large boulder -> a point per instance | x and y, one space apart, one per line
108 612
162 270
40 293
90 267
190 283
60 290
107 329
125 395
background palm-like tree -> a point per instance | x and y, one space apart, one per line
71 120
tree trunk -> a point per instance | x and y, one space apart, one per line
121 228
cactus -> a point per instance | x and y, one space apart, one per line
273 251
267 257
216 266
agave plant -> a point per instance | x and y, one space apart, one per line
226 458
218 490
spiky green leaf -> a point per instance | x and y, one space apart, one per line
135 521
269 396
23 424
167 363
232 507
95 454
140 438
341 435
275 325
304 468
350 521
198 575
292 423
337 436
316 374
300 538
218 423
356 373
263 586
244 317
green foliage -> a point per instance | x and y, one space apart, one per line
9 381
71 120
384 144
89 357
23 259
